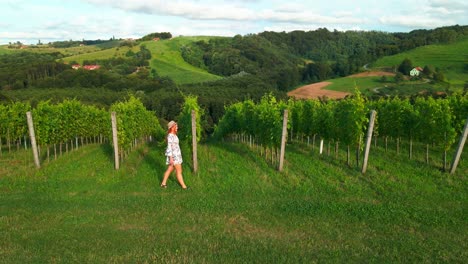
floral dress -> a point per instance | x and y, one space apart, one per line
173 149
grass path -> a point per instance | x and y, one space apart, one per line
239 209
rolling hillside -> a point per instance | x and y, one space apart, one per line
100 54
451 58
167 61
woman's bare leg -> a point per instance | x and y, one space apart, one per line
166 174
178 168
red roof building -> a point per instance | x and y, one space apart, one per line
91 67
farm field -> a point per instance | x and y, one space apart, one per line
79 209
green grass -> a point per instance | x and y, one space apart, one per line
347 84
370 86
5 50
73 51
101 54
167 61
451 58
239 209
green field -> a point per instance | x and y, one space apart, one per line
451 58
73 51
238 209
101 54
348 84
167 61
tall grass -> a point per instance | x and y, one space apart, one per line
239 209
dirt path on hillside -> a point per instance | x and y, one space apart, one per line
315 90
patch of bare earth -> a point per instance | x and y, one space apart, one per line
315 90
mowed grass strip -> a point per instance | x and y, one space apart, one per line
239 209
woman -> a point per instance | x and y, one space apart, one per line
173 156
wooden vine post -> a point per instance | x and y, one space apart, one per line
194 142
368 140
459 151
115 140
283 139
32 136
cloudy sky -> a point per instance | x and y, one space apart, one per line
52 20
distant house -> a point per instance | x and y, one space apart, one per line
86 67
156 39
415 71
91 67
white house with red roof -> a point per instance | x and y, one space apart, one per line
415 71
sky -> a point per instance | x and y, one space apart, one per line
58 20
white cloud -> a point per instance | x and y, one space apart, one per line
415 21
449 4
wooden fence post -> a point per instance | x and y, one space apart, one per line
459 151
115 140
32 135
321 146
283 139
368 140
194 142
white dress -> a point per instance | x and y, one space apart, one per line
173 149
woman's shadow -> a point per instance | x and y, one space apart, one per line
152 153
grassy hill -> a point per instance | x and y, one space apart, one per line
167 61
73 51
99 54
166 57
451 58
239 209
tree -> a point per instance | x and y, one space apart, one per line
406 66
399 77
439 76
428 71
